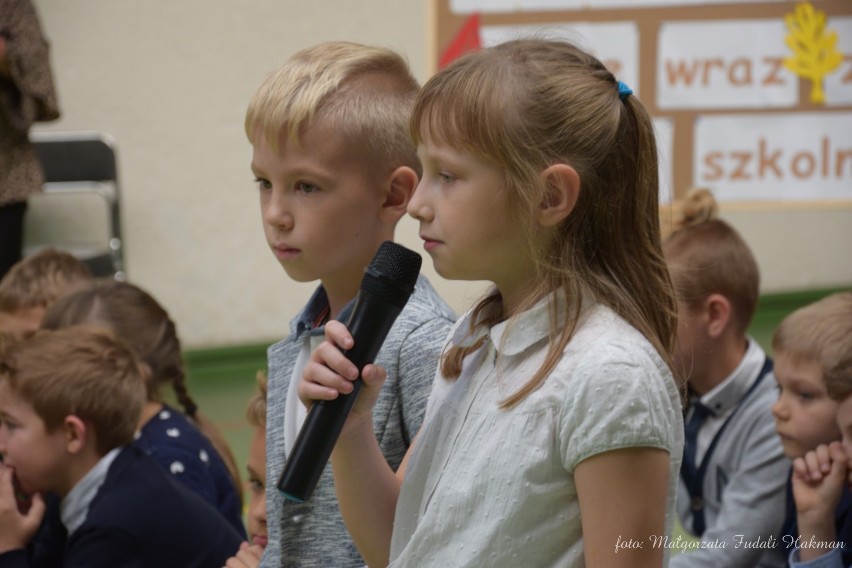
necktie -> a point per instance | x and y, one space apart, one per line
699 414
690 467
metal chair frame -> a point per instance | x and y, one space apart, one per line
85 162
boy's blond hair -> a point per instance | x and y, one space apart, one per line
256 411
707 256
82 371
39 279
365 93
821 333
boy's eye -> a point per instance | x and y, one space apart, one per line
262 183
806 395
446 177
305 187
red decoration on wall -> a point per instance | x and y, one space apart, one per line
467 39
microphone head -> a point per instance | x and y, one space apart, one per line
392 273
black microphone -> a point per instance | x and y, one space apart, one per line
387 284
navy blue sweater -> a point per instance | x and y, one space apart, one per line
140 518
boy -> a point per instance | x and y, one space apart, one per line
35 283
70 401
336 168
813 354
731 486
250 552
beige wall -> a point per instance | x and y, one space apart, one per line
169 80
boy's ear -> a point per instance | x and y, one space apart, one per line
75 434
400 187
562 183
717 311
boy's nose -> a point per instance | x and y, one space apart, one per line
257 509
277 214
779 410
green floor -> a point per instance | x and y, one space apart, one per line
223 380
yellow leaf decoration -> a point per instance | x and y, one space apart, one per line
814 48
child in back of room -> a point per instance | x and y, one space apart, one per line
250 552
70 401
813 364
33 284
553 434
734 465
186 444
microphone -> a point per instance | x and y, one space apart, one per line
387 284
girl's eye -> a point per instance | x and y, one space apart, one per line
256 486
306 188
263 183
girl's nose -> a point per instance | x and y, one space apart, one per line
417 205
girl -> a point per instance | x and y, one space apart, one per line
186 444
553 434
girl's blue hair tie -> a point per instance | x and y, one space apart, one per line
623 90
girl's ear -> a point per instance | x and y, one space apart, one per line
562 185
400 187
75 434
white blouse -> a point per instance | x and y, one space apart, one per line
493 487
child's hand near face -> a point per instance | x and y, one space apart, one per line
247 557
818 480
19 520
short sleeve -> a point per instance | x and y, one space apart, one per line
621 397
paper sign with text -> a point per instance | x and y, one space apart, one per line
724 64
789 157
838 85
467 6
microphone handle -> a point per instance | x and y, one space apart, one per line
371 320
